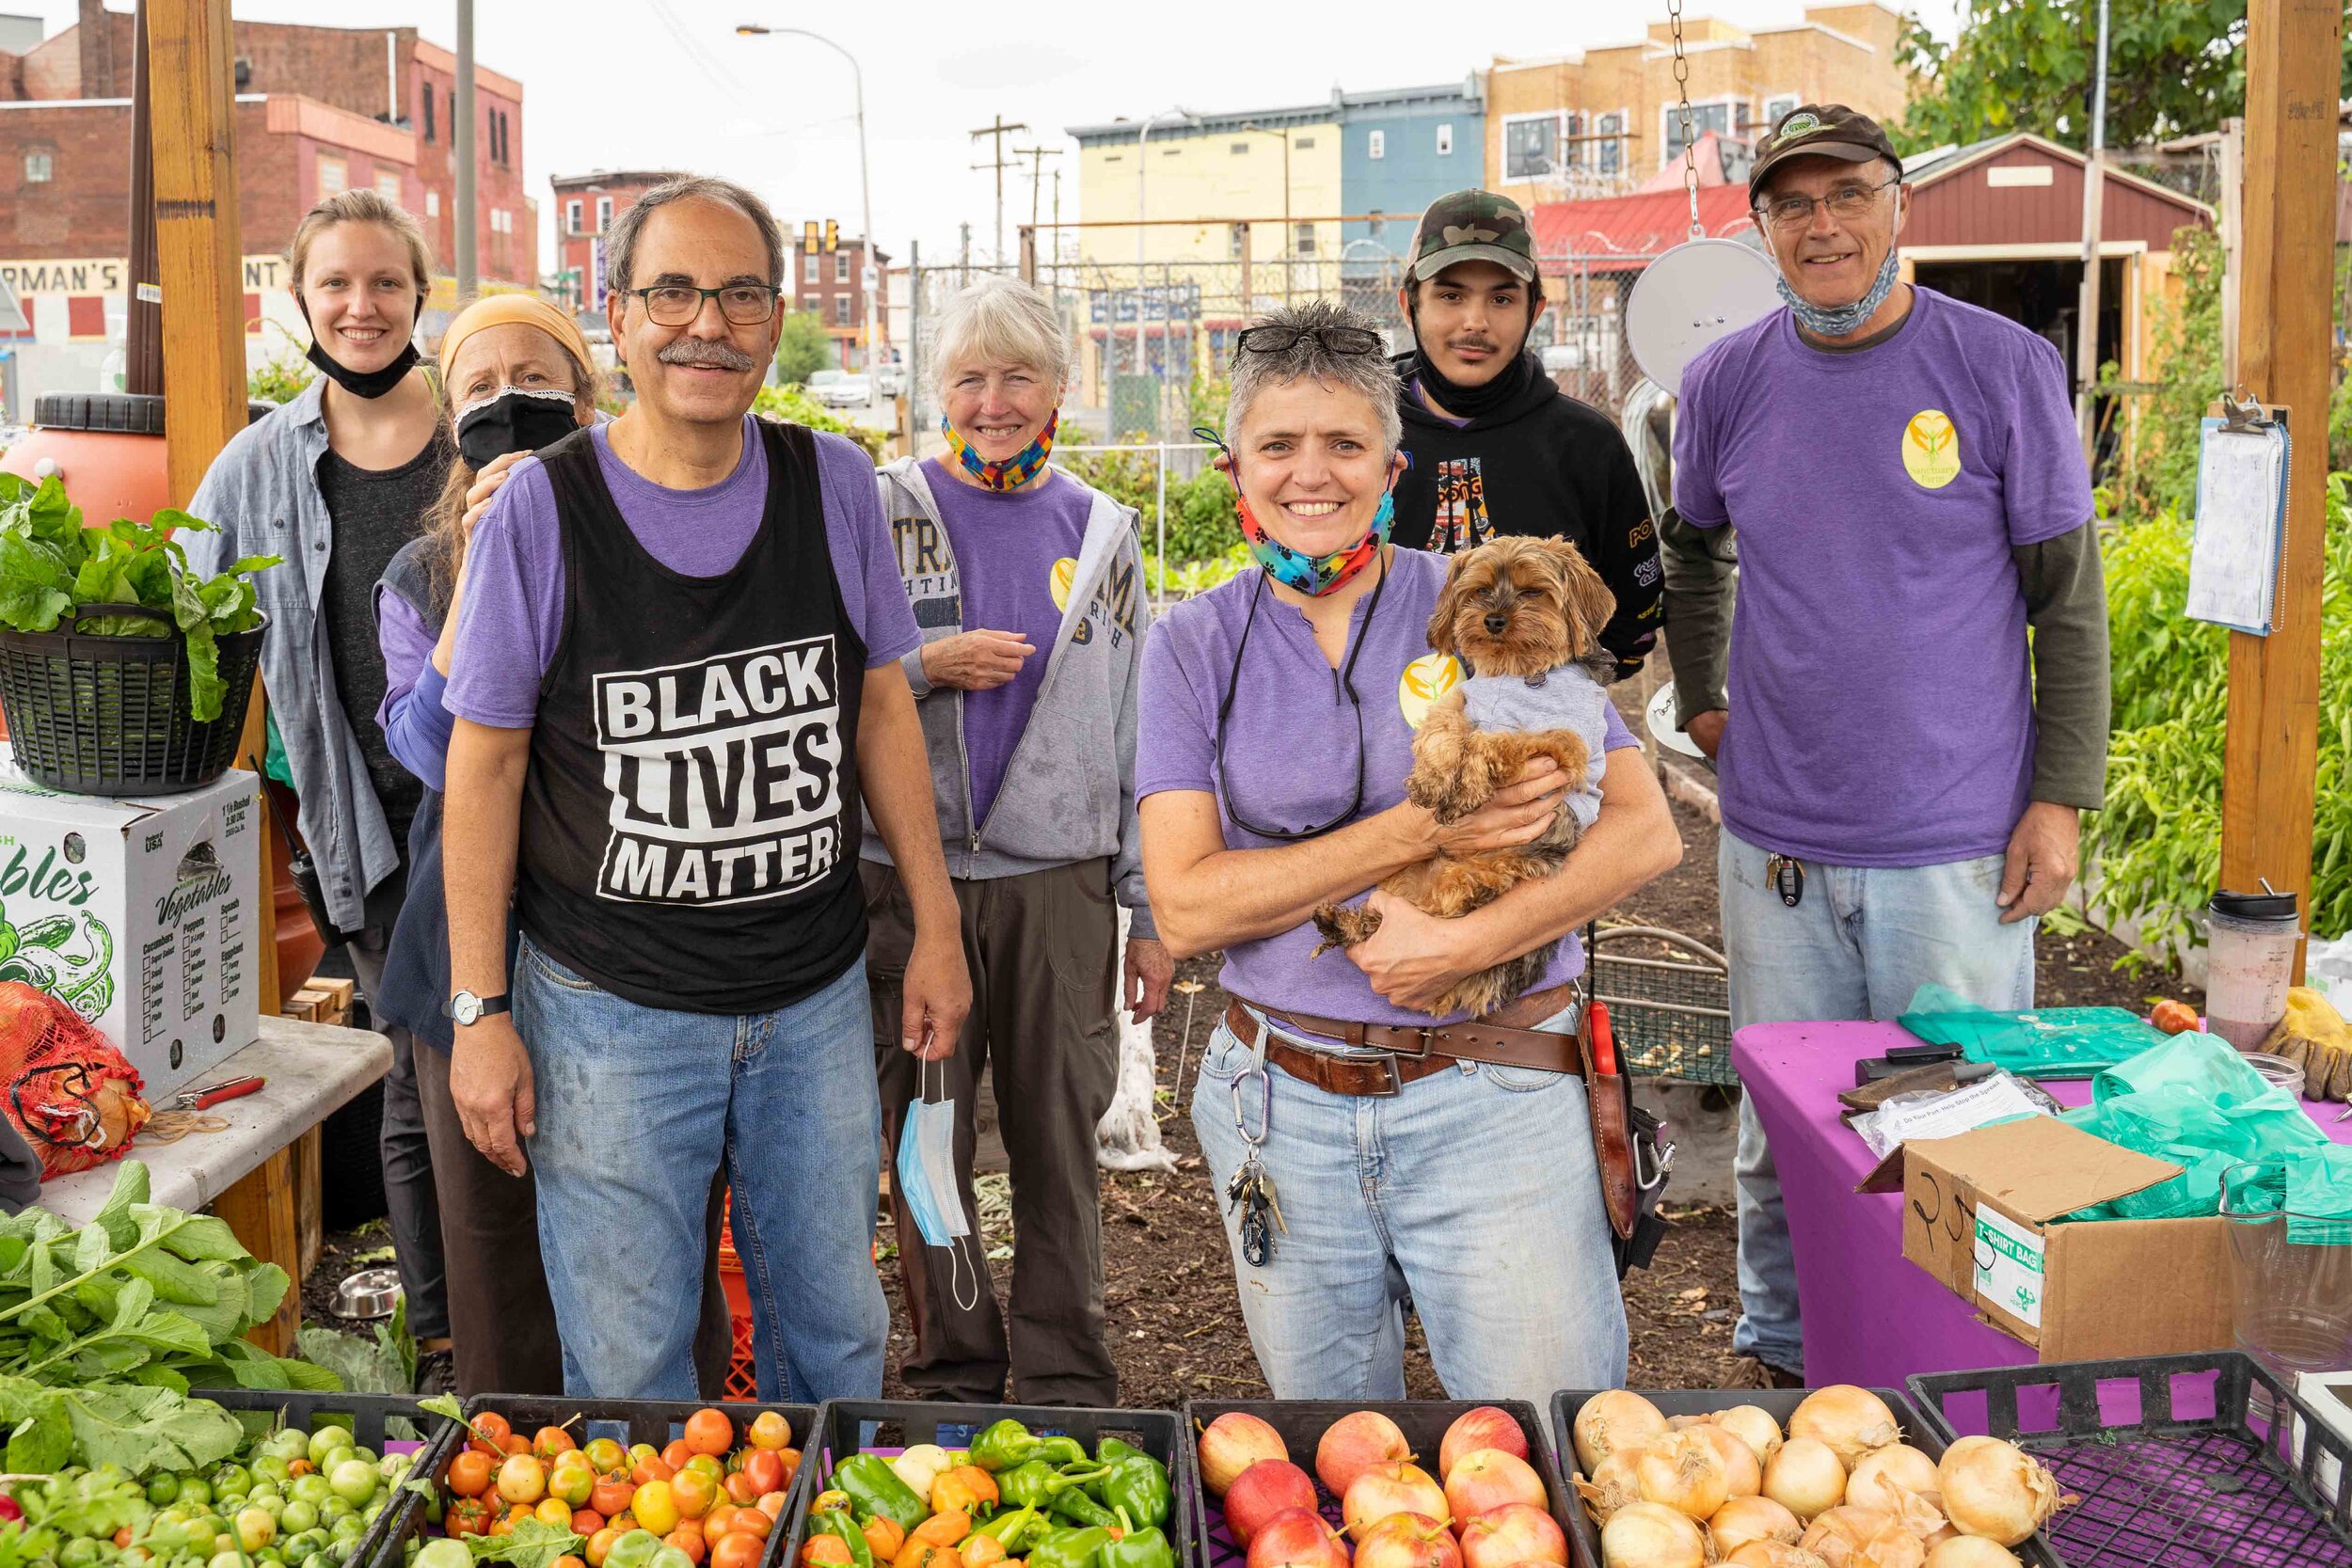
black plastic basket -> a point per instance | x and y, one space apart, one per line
846 1427
2169 1490
368 1416
1300 1424
109 715
1779 1404
655 1421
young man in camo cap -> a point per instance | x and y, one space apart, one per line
1495 446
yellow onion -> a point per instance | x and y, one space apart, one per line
1804 1477
1611 1485
1753 1425
1645 1535
1683 1470
1742 1475
1995 1489
1745 1519
1774 1554
1971 1551
1611 1418
1875 1479
1851 1537
1851 1420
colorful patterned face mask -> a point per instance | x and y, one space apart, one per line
1014 471
1314 576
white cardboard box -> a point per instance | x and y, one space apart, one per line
141 913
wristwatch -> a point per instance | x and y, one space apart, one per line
466 1008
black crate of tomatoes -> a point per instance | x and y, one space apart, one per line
934 1485
1396 1484
608 1484
1838 1477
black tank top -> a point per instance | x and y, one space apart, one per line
689 824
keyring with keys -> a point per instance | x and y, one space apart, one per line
1251 1188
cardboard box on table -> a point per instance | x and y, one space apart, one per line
1976 1214
145 915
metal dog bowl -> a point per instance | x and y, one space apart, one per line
369 1293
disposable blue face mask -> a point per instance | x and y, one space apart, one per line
927 1179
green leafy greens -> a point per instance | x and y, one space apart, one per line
50 563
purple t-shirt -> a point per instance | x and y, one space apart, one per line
1882 707
415 721
1291 748
1014 556
513 617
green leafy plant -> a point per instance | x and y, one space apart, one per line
794 404
50 563
2156 467
803 348
281 379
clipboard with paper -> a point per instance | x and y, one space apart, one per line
2242 463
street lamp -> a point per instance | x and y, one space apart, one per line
1290 241
1143 171
870 268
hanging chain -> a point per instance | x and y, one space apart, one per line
1682 86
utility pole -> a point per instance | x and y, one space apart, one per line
2087 311
1037 156
998 131
463 149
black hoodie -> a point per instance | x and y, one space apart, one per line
1543 464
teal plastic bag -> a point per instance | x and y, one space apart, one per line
274 763
2314 1186
2046 1042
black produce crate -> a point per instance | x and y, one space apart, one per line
847 1427
369 1416
2169 1490
1300 1424
1779 1404
655 1421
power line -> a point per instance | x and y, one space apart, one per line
999 131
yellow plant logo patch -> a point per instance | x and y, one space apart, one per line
1065 572
1426 679
1931 449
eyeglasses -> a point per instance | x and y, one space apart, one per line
1343 677
679 303
1335 339
1846 203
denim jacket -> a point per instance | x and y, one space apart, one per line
262 493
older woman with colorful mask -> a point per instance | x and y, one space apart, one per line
1028 587
1279 717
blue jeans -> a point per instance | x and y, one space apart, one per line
636 1108
1473 1193
1860 940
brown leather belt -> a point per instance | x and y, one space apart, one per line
1409 1053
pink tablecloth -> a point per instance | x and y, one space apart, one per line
1870 1317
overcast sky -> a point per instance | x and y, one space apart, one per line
666 83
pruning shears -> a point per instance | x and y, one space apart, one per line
230 1088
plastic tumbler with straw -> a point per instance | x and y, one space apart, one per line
2249 962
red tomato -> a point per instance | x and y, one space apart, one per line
491 1427
610 1495
551 1441
738 1551
764 1468
586 1521
708 1431
470 1474
466 1516
688 1541
651 1468
741 1490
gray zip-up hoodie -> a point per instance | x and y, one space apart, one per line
1068 792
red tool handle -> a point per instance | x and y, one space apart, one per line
1604 1043
235 1088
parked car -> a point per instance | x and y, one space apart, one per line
840 389
890 379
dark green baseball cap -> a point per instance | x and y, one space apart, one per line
1472 226
1820 131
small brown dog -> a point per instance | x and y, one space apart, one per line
1525 615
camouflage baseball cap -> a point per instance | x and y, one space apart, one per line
1472 226
1820 131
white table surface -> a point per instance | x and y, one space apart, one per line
312 1068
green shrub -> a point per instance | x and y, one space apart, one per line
281 379
1203 522
793 404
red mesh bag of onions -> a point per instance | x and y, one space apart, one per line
74 1097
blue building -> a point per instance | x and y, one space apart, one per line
1401 148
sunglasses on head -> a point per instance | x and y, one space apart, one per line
1335 339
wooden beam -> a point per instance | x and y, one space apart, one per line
2285 329
191 77
262 1212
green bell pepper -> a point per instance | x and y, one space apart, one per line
1009 1444
1110 1450
1073 1547
1013 1526
1026 1485
1138 1485
1070 1502
1142 1546
876 1491
840 1524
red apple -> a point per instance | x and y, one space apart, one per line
1356 1443
1297 1538
1231 1444
1258 1494
1512 1534
1484 1480
1387 1489
1483 1428
1409 1540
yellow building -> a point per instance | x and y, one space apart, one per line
1599 122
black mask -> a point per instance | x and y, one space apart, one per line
516 420
363 384
1469 403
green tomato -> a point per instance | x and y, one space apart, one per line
670 1557
233 1477
355 1480
325 1440
334 1507
228 1557
369 1515
298 1516
212 1522
633 1549
302 1543
137 1557
265 1492
395 1466
444 1553
269 1467
164 1490
363 1451
321 1559
310 1489
195 1490
80 1552
348 1530
256 1529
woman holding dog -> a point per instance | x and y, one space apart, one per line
1366 1155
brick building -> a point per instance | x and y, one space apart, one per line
833 286
318 110
585 206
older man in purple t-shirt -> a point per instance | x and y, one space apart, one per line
1901 768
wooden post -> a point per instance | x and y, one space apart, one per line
262 1215
2285 314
